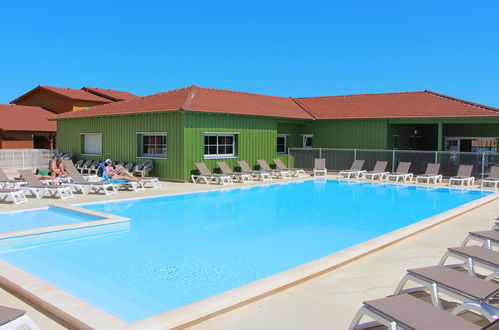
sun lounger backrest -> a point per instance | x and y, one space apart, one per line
203 169
380 166
224 167
432 168
87 163
403 167
494 172
357 165
3 176
280 165
320 163
30 178
465 171
80 162
244 166
73 172
263 165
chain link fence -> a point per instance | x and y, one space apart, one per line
340 159
25 158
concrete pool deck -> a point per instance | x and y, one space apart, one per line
321 302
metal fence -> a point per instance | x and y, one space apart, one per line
25 158
340 159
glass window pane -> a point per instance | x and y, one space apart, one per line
229 150
212 150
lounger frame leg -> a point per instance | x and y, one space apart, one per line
23 320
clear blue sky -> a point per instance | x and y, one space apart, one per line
286 48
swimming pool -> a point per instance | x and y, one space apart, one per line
183 248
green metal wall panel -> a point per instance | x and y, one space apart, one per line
352 133
120 140
471 130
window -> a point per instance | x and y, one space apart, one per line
152 145
307 140
282 143
92 143
219 145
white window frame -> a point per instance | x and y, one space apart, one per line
146 155
83 144
285 136
304 140
219 156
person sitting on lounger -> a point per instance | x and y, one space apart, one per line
56 168
117 174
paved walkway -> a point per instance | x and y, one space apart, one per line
325 302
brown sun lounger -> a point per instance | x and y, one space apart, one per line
355 170
12 318
39 190
5 181
81 184
284 174
262 175
379 171
475 256
320 166
488 238
208 177
492 179
463 176
401 173
293 171
407 312
430 174
467 289
240 176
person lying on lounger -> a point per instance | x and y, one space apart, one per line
116 174
56 168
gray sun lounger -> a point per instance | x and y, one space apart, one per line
17 195
293 171
284 174
492 179
262 175
463 176
82 185
320 166
488 238
355 170
431 174
401 173
12 318
6 182
473 256
407 312
240 176
39 190
379 171
208 177
473 293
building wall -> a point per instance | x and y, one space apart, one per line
120 141
472 130
78 104
16 140
350 133
54 102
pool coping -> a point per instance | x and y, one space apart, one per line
83 315
106 219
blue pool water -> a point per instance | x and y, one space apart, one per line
183 248
13 221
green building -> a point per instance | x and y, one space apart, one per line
193 124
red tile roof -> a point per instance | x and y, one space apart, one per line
388 105
25 118
194 98
113 95
393 105
70 93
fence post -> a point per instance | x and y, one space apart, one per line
354 154
436 156
320 152
289 155
393 160
483 166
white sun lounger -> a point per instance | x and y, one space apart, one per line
6 182
355 170
208 177
12 318
430 174
401 173
240 176
284 174
463 176
262 175
320 167
39 190
299 172
379 171
493 179
16 194
80 184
